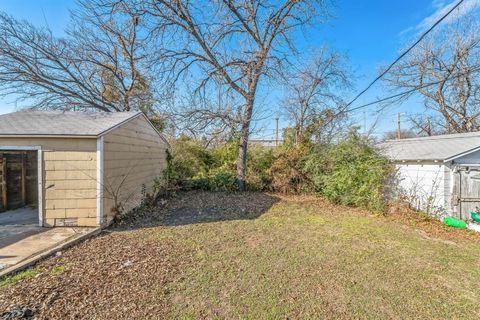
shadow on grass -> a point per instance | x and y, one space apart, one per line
195 207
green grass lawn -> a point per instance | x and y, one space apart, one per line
257 256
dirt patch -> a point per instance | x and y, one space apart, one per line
201 207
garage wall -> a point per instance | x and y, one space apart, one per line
69 179
426 186
134 155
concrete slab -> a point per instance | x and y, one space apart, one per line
22 216
10 234
16 225
23 242
18 243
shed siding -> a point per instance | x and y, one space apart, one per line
69 179
427 186
447 188
134 155
472 158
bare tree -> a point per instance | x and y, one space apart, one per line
315 92
404 134
324 127
426 125
444 70
235 43
216 118
98 65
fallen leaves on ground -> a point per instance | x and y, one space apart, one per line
218 255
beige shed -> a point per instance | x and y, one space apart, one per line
77 168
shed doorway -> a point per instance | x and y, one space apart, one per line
19 185
469 186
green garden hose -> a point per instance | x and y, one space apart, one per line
454 222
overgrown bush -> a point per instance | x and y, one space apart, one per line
186 159
287 171
351 173
192 166
259 161
348 172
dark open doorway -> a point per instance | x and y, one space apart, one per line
18 179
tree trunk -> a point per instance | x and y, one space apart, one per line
243 146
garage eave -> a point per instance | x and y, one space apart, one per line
47 136
461 154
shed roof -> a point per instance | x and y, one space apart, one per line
62 123
444 147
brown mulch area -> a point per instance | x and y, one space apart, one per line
106 277
103 278
188 207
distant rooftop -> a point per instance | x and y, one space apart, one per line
266 143
61 123
442 147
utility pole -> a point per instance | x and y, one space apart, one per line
398 126
364 123
276 132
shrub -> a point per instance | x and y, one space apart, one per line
348 172
354 174
221 180
221 174
287 171
192 166
259 161
186 160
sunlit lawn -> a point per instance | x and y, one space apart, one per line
314 260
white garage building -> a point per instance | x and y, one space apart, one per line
438 174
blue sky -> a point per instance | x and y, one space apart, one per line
370 32
54 13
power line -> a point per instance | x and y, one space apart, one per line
412 90
402 55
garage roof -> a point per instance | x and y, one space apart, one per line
62 123
444 147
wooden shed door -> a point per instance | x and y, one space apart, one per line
3 184
469 192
